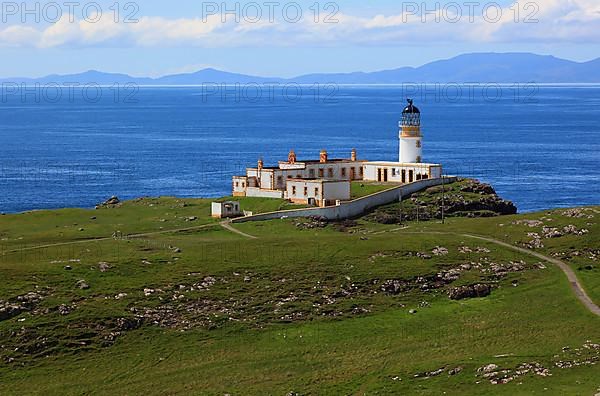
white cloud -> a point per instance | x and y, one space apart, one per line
19 36
557 21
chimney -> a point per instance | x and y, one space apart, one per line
353 155
292 157
323 157
261 164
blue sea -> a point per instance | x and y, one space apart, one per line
538 146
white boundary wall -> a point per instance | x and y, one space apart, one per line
352 208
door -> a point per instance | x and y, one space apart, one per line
385 175
410 176
378 174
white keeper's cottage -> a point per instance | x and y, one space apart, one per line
326 181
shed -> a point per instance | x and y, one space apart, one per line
225 209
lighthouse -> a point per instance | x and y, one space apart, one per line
411 150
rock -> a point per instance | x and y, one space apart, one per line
551 232
103 266
487 368
191 218
247 279
470 291
439 251
82 284
64 309
128 324
313 222
18 305
464 249
475 186
111 202
455 370
68 268
114 200
9 311
393 286
412 311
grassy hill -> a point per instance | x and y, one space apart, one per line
154 297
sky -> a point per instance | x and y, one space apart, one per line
282 38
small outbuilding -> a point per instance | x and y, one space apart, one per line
226 209
317 192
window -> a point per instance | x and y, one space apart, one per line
330 172
316 191
343 172
393 171
321 172
289 176
237 184
361 171
298 176
293 190
305 191
279 179
311 173
243 185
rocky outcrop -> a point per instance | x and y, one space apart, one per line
312 222
18 305
470 291
111 202
465 198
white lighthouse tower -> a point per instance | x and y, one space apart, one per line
411 150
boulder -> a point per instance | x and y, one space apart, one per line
469 291
103 266
114 200
110 202
82 284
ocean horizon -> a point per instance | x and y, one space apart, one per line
538 145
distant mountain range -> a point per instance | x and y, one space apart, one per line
467 68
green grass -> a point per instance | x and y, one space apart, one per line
359 189
297 310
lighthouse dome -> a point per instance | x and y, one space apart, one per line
411 109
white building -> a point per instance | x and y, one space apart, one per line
319 176
317 192
225 209
398 172
326 181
